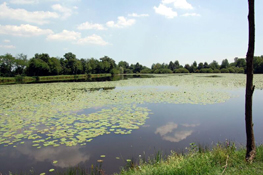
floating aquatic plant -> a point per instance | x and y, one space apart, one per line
50 114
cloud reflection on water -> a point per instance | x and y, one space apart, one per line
66 156
175 133
168 128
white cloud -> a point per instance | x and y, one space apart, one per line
65 35
37 17
7 46
167 1
24 30
67 12
88 26
138 15
121 23
191 14
76 38
165 11
6 41
24 1
180 4
93 39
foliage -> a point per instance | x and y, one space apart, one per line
146 71
224 64
7 63
114 71
206 70
181 70
216 71
223 158
163 71
231 70
44 65
214 65
224 70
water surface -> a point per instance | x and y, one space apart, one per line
169 126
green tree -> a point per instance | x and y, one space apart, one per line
37 67
55 66
84 65
92 65
21 63
187 66
177 64
241 62
214 65
193 67
200 66
171 65
123 65
73 65
257 64
137 68
206 65
43 56
107 64
7 63
224 64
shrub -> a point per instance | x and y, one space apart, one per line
216 71
128 71
224 70
19 78
163 71
231 70
146 71
181 70
114 71
206 70
240 70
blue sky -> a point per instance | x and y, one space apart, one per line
144 31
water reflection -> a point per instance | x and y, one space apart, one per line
93 89
190 125
171 132
66 156
165 129
178 136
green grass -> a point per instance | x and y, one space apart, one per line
222 159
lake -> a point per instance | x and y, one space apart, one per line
68 124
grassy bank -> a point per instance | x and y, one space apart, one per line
222 159
25 79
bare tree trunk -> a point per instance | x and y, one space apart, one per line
251 148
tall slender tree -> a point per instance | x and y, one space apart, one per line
251 148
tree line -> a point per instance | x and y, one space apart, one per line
69 64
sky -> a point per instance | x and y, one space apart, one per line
144 31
